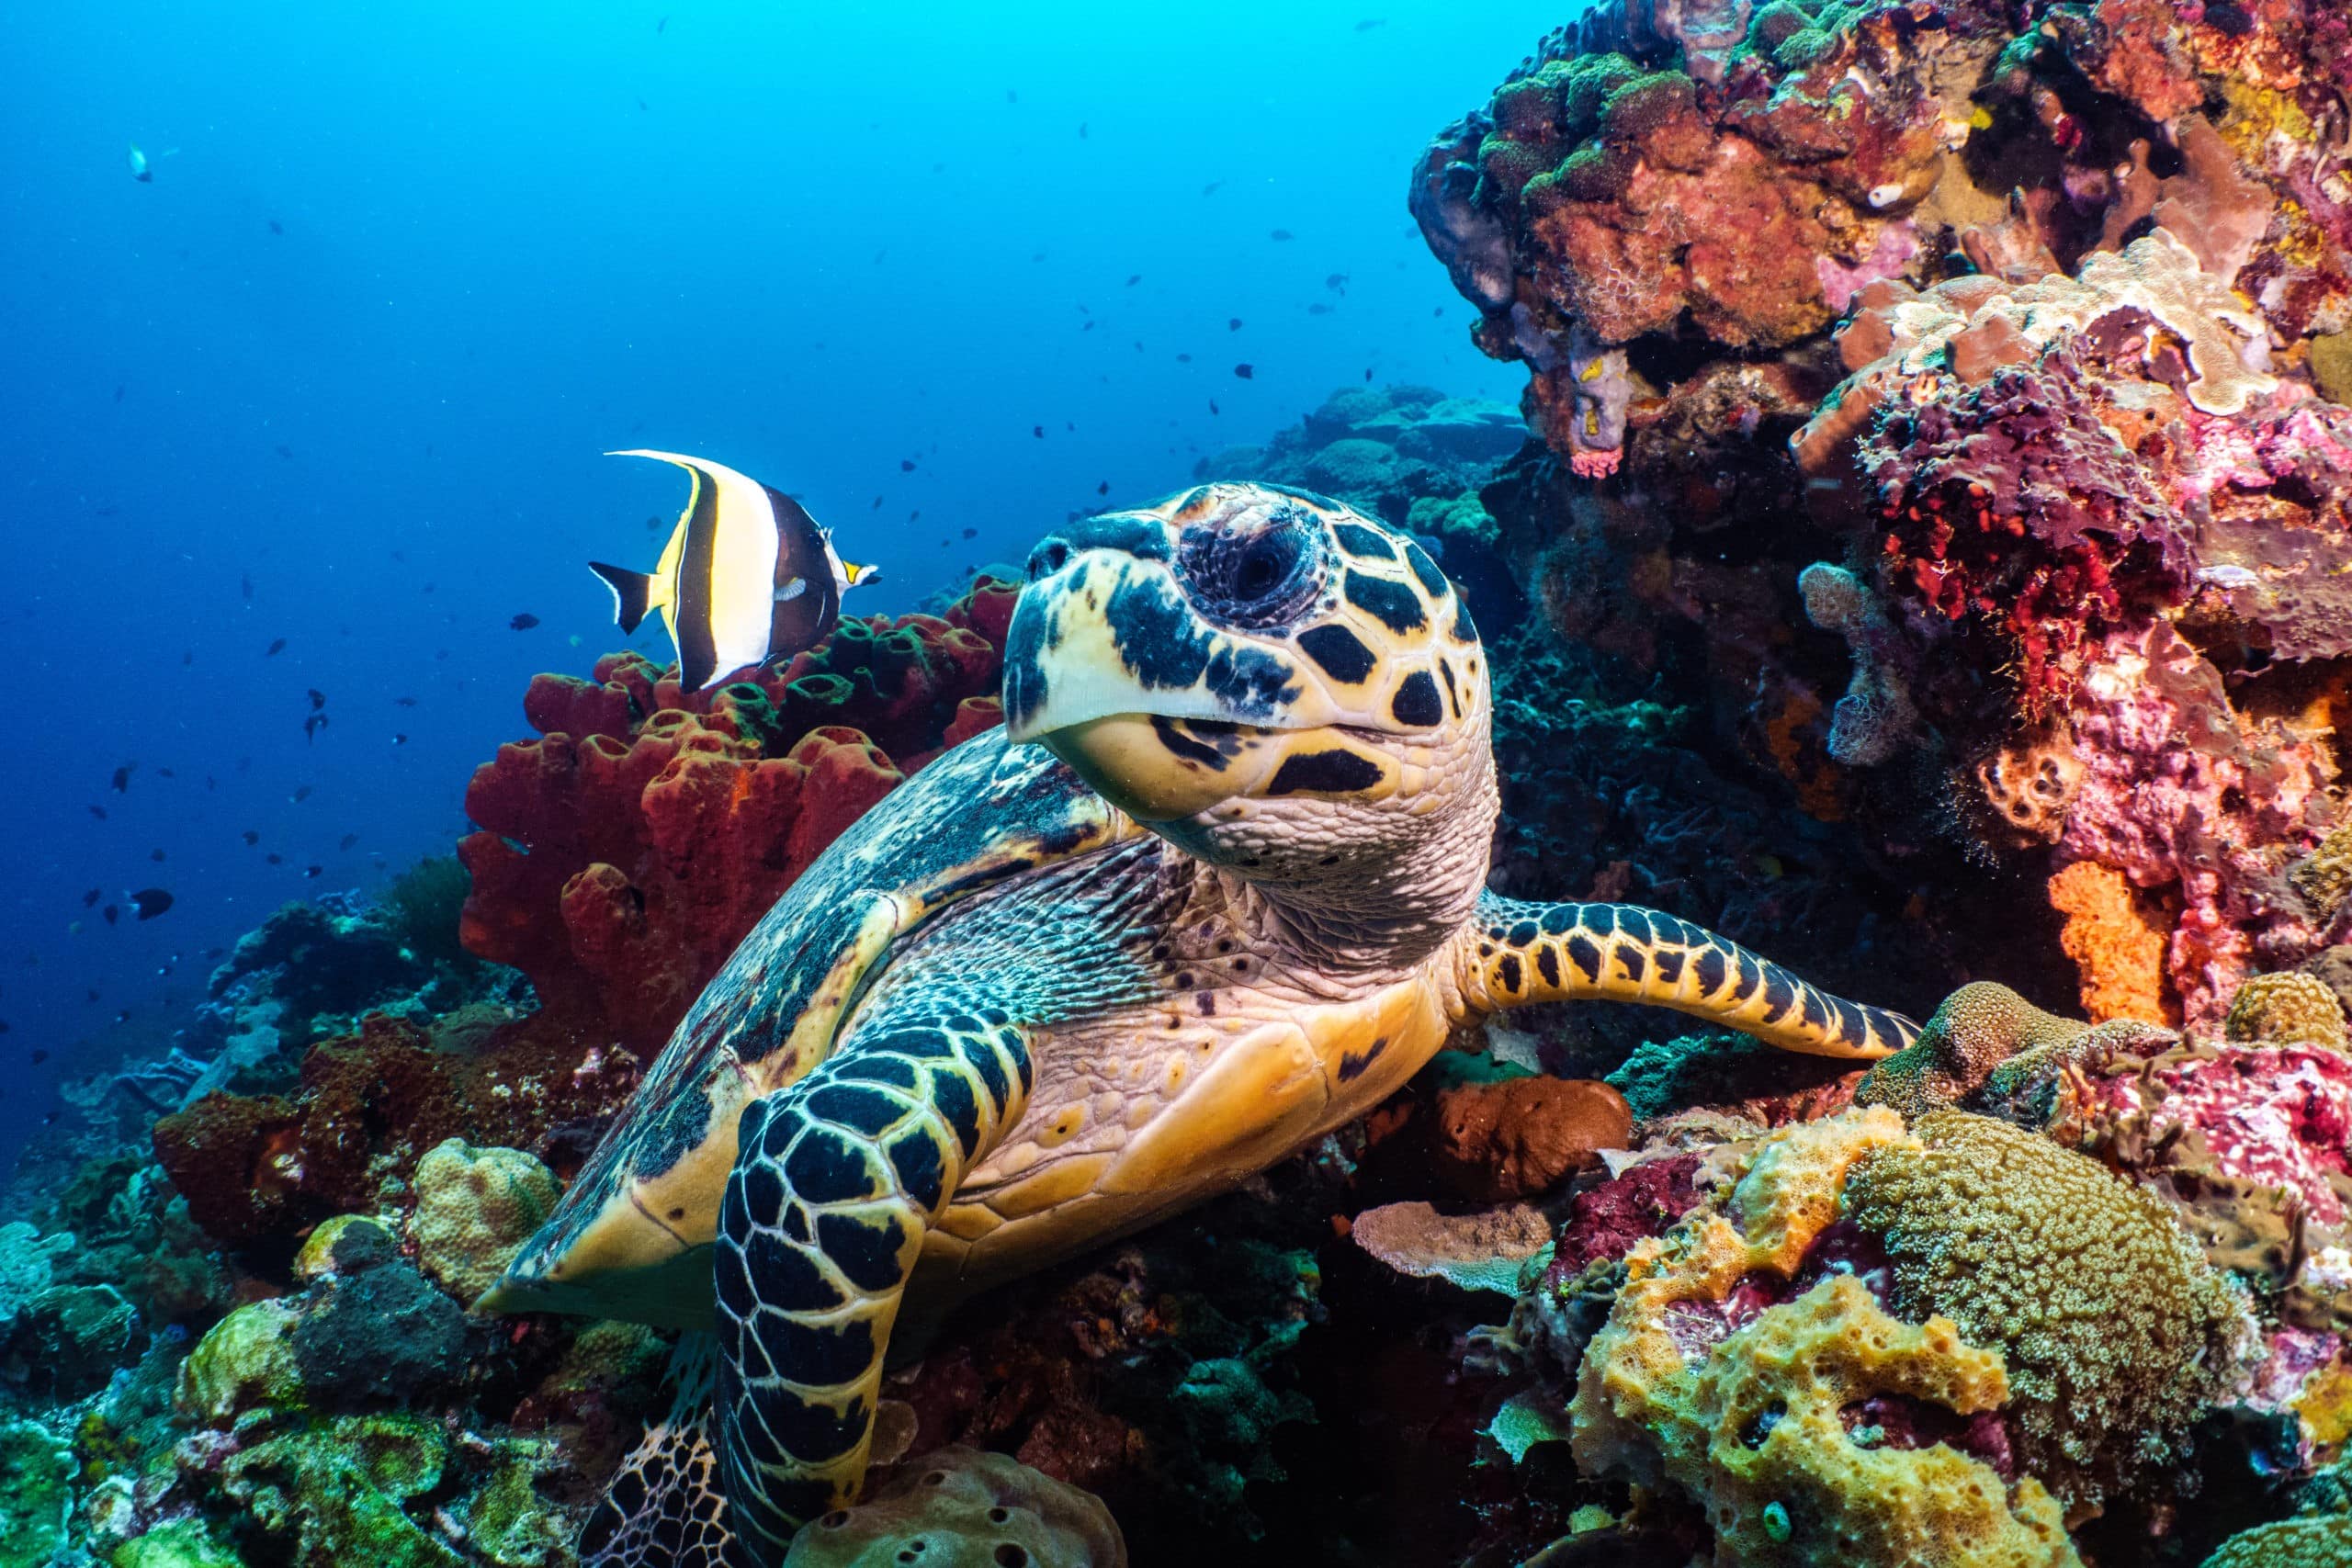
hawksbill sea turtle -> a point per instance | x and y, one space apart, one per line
1217 887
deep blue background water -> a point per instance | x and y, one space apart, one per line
413 267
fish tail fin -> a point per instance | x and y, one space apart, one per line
633 592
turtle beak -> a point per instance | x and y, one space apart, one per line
1104 630
1108 667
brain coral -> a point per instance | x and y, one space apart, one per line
2285 1010
1697 1384
474 1209
2117 1334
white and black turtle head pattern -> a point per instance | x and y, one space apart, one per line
1244 642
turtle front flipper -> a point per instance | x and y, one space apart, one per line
1549 953
835 1181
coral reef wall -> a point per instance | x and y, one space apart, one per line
2001 344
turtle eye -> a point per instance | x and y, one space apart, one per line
1252 579
1264 562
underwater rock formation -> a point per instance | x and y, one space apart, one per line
623 854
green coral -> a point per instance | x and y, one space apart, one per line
36 1494
183 1543
2116 1334
2292 1008
2325 1541
509 1526
246 1362
338 1489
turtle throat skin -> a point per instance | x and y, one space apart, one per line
1287 692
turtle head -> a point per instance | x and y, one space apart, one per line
1269 680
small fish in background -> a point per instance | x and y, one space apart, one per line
118 391
283 450
275 226
275 859
250 837
1213 408
90 899
301 793
312 724
398 738
346 842
660 26
1337 283
746 576
1281 234
523 622
37 1058
143 168
245 585
1233 324
1212 188
314 871
122 778
1103 489
100 812
404 701
1245 370
1371 22
971 533
156 855
318 699
1318 308
111 913
277 647
149 902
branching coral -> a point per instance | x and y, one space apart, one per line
1875 716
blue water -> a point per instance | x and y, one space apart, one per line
360 343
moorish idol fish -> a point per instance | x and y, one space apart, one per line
747 576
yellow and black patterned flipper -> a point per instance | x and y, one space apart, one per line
1549 953
836 1179
664 1508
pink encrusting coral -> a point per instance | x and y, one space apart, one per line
2279 1115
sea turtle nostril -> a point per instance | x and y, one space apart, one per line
1047 559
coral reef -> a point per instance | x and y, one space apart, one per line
968 1509
623 854
474 1210
2115 1334
1725 1371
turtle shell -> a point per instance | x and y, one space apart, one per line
631 1238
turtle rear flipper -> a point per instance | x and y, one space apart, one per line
1550 953
836 1178
664 1508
